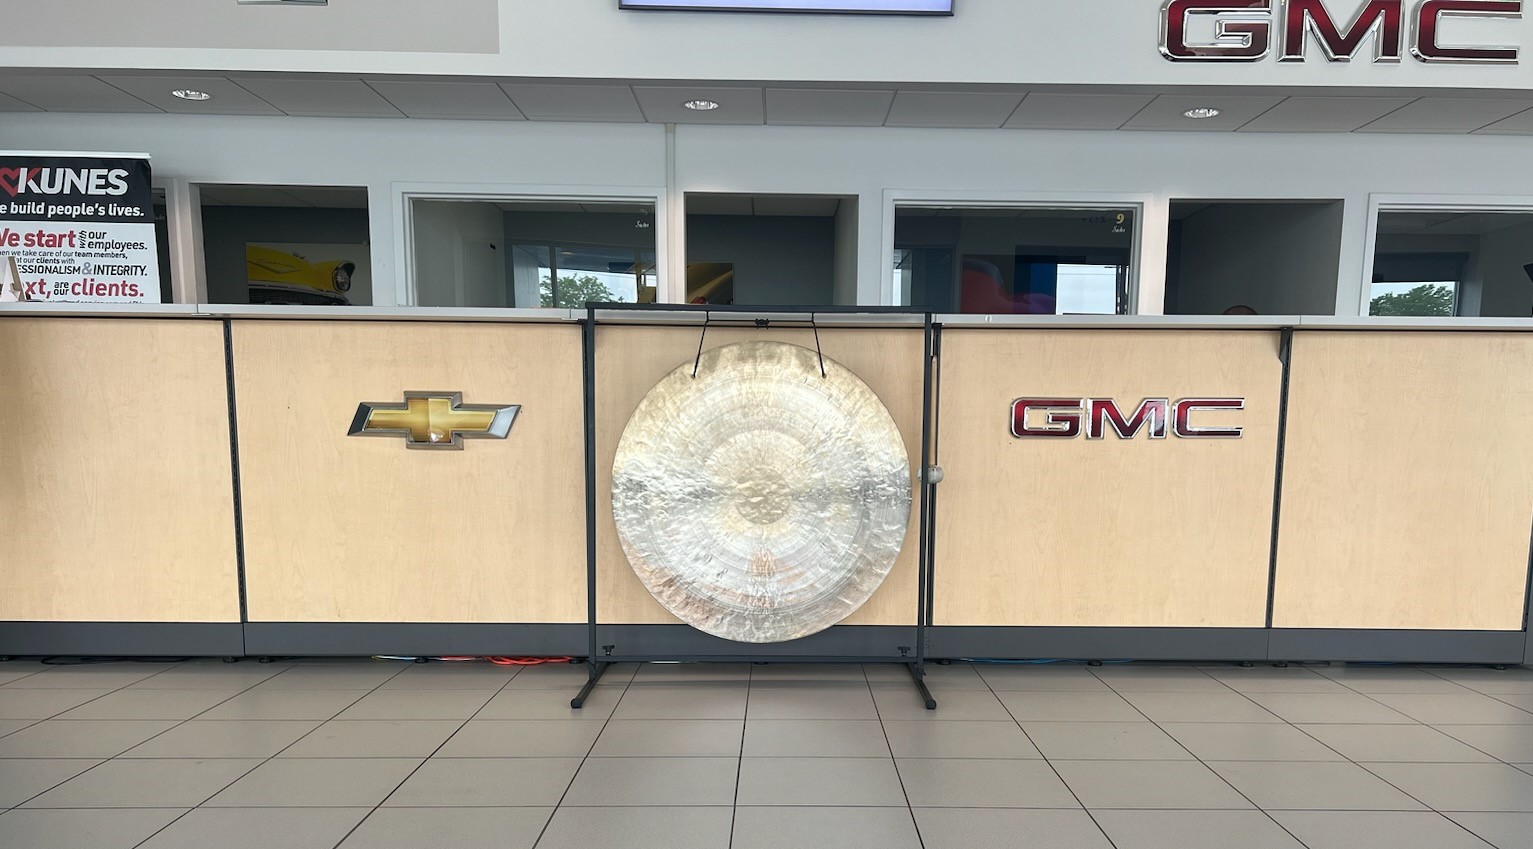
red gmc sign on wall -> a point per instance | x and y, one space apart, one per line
1248 30
1065 418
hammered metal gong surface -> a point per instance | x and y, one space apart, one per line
760 501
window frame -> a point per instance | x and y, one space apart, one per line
1143 205
1381 203
405 194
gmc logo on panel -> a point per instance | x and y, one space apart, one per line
1064 418
1243 30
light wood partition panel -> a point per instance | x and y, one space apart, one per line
631 360
1112 532
354 529
115 480
1408 481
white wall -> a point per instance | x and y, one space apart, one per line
1506 289
460 255
987 41
847 223
778 260
1278 259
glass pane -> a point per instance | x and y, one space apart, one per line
1437 298
596 274
771 249
1088 289
289 245
561 253
1014 261
1453 262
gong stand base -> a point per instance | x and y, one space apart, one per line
598 668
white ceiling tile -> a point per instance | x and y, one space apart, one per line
1076 111
540 102
60 93
228 98
951 109
11 104
448 100
1447 115
1324 114
1166 113
827 107
663 105
320 97
1519 124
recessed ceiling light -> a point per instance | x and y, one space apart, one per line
1200 112
701 105
191 94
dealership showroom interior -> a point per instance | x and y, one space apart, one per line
766 424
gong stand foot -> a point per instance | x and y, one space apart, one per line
918 675
597 669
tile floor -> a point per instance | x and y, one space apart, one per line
366 754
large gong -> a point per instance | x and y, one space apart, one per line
761 500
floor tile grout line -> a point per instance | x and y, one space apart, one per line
178 723
1204 764
1425 805
1050 763
553 812
1415 721
893 761
265 761
424 761
1346 758
745 721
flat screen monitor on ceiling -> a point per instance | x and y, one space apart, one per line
868 7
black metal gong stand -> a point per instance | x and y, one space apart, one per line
913 657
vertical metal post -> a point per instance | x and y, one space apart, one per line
1285 355
234 475
923 590
588 383
936 462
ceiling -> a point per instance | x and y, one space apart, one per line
836 104
1450 223
811 206
317 197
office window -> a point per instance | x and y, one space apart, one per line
771 250
559 254
291 245
1452 262
1270 257
1011 260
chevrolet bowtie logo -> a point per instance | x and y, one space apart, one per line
434 420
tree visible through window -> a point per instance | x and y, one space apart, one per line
1422 299
573 292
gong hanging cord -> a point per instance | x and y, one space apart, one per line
760 322
816 327
707 317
